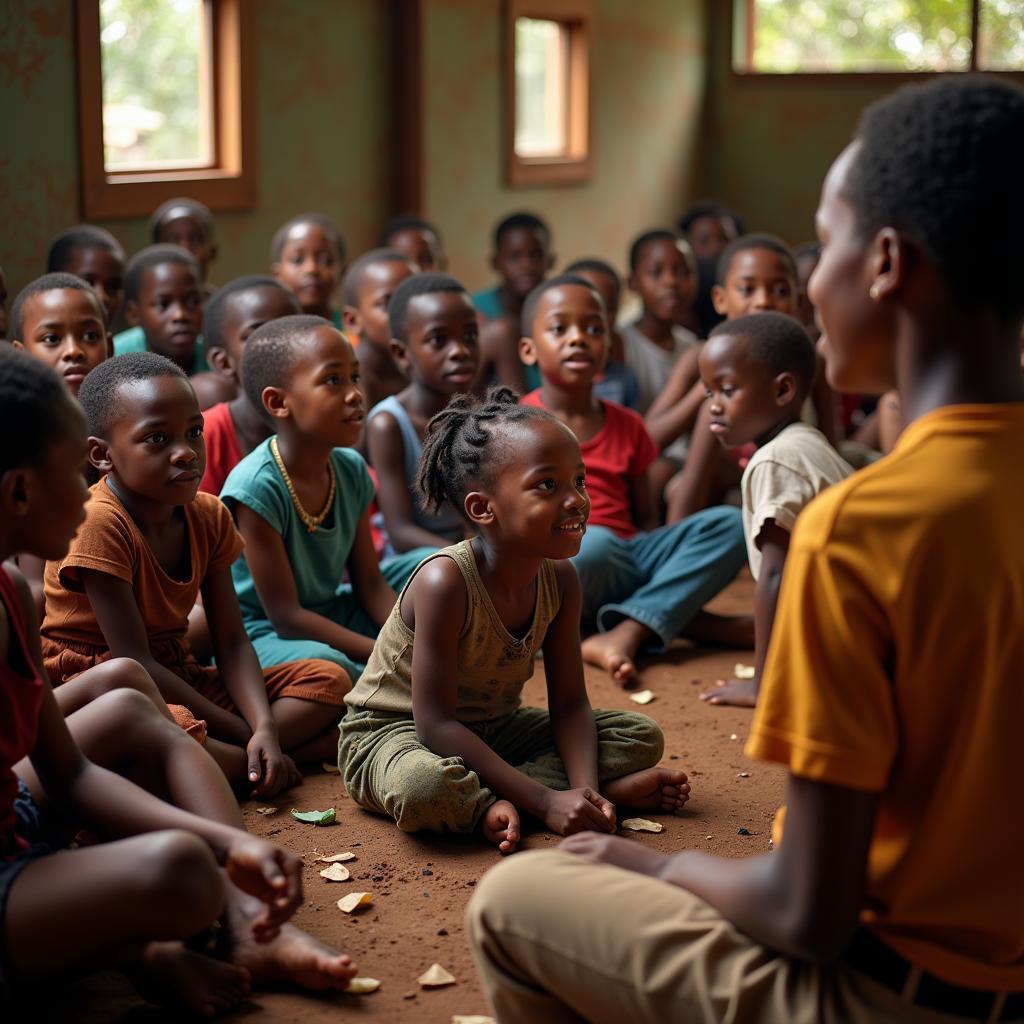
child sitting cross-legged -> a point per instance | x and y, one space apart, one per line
301 500
641 585
435 735
150 545
758 370
435 342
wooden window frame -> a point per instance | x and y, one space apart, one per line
229 183
574 169
742 16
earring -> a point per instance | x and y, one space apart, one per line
875 292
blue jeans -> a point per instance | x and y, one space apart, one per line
661 579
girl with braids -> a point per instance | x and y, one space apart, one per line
435 735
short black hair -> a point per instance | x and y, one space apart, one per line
406 222
153 256
941 163
412 288
81 236
460 442
777 342
657 235
353 279
48 283
321 220
521 219
709 208
181 207
272 352
98 395
754 241
217 307
595 266
562 280
34 407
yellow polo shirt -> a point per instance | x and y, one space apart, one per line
896 666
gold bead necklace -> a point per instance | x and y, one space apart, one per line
310 522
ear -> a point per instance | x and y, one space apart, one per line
14 488
222 363
214 249
399 354
99 454
276 403
528 351
17 344
785 388
131 313
478 508
718 299
351 319
889 264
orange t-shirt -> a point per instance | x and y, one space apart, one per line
895 667
110 542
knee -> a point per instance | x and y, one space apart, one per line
129 708
181 881
436 795
502 894
333 677
648 737
128 674
723 520
597 546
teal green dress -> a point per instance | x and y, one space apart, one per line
134 340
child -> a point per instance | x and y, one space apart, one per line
641 586
435 735
164 305
304 373
758 369
522 259
95 256
618 383
148 548
710 228
162 873
59 320
662 272
307 255
435 341
369 284
417 239
892 688
231 315
188 223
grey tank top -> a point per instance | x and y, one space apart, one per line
493 665
448 523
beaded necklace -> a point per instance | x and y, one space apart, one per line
310 522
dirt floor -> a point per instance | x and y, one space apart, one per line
421 884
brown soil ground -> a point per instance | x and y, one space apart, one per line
421 884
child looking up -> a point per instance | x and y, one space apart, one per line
368 286
231 315
307 254
95 256
757 370
162 872
163 301
522 259
188 223
301 502
896 713
435 736
641 586
417 239
149 547
59 320
435 342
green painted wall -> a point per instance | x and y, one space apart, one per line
648 73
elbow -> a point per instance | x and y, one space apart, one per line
284 621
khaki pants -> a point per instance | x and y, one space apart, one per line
558 939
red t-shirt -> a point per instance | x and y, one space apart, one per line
615 456
223 452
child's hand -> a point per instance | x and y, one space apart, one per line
270 770
577 810
269 873
622 853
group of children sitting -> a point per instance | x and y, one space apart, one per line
372 517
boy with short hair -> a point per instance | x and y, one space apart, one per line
307 255
522 258
164 305
641 584
368 286
416 238
188 223
757 370
97 257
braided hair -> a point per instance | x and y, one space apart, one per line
459 449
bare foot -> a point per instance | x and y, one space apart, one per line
654 789
501 826
606 651
739 693
170 975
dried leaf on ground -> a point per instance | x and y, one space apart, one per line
266 810
473 1018
642 697
354 899
315 817
331 769
741 671
336 858
360 986
336 873
643 825
435 976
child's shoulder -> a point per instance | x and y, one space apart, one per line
350 466
801 445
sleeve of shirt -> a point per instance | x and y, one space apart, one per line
777 492
255 487
352 467
225 541
826 708
104 543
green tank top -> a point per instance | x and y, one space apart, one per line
493 665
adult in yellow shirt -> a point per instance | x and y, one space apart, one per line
894 688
